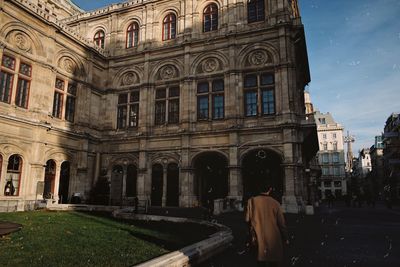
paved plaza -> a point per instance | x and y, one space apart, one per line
337 236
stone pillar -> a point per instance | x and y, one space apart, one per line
142 173
57 180
235 178
164 185
96 169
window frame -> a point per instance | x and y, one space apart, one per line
165 100
253 7
210 14
7 75
253 84
132 35
210 95
64 95
12 171
128 106
99 38
169 27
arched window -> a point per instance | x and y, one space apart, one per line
13 177
255 10
210 18
169 27
99 38
132 35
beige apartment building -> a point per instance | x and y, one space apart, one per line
163 100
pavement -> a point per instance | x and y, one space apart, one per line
332 237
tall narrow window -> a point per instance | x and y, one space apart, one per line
132 35
255 10
58 98
70 105
6 78
259 94
99 38
128 110
13 176
210 100
167 99
210 18
169 27
24 81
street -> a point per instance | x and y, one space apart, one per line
337 236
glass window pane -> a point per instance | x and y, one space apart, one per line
202 87
173 92
267 79
57 104
121 117
268 102
60 84
6 80
202 107
25 69
218 106
70 109
71 89
21 98
160 93
134 96
160 112
251 103
133 115
173 111
8 62
218 85
250 81
122 98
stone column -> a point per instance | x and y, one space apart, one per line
96 169
164 185
57 181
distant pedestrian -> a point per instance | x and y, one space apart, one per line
265 216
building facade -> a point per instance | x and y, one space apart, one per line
160 100
331 156
375 181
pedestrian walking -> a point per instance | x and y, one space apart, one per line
265 216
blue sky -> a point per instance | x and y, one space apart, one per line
354 53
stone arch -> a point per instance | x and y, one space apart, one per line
127 21
200 7
19 34
199 64
11 148
69 63
264 147
164 158
127 77
258 55
122 160
165 11
166 70
97 28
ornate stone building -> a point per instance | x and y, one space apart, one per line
159 99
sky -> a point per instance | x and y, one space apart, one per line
354 55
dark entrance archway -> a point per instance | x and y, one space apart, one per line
156 185
116 185
49 179
211 176
173 185
259 167
63 189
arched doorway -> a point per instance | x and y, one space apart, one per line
211 176
63 189
259 167
116 185
173 185
13 176
49 179
156 185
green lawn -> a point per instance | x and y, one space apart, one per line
87 239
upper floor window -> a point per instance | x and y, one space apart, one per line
128 109
255 10
335 157
259 94
132 35
335 147
7 72
334 135
64 90
99 37
169 27
210 100
210 18
325 158
325 146
167 105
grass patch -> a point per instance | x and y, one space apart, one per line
89 239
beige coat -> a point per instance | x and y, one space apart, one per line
265 215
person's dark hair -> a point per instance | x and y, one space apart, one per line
267 185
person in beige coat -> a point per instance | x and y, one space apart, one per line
264 214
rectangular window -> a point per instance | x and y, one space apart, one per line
259 94
57 104
160 112
64 90
202 107
325 146
167 99
335 157
70 105
337 183
335 146
6 81
173 111
8 62
23 85
336 171
325 158
210 102
327 183
128 109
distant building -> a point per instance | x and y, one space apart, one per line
377 173
364 162
391 154
331 155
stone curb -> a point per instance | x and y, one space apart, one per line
190 255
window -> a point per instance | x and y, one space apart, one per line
336 171
335 158
325 158
210 100
64 90
13 176
167 99
259 94
324 136
322 121
334 146
99 38
327 183
325 171
334 135
6 78
128 109
169 27
255 10
210 18
132 35
23 85
325 146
